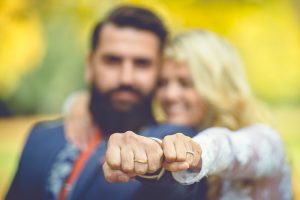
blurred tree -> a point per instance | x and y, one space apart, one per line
66 28
21 45
50 38
266 33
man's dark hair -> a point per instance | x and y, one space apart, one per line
135 17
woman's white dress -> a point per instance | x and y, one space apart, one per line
250 161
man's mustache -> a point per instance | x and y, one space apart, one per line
125 88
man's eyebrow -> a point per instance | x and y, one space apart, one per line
110 57
143 59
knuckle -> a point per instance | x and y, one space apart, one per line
167 139
169 156
127 168
140 171
181 157
179 135
113 137
152 168
165 145
129 135
114 165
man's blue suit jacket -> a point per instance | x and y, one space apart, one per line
47 139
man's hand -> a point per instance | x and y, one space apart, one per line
132 155
114 176
181 153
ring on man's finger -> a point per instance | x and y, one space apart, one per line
140 161
190 152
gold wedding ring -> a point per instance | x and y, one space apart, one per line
190 152
141 161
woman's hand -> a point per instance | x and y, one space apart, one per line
181 153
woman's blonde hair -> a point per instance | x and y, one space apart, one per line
219 78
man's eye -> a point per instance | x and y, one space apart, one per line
111 60
142 63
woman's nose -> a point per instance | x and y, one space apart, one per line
172 92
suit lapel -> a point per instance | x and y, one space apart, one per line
52 150
91 169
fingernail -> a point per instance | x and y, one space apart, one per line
184 166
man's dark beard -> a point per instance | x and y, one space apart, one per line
110 120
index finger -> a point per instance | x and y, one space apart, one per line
113 156
169 149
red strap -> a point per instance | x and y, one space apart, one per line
79 165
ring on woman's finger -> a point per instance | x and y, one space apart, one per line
141 161
190 152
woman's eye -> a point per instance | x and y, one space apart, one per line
186 83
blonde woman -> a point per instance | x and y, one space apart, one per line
203 85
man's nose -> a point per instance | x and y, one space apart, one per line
126 76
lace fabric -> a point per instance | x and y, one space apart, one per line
252 155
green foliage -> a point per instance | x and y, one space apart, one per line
266 33
44 89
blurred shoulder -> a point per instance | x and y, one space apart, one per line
44 130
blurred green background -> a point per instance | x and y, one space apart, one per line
43 46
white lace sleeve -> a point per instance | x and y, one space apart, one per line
252 152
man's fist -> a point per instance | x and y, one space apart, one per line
132 155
